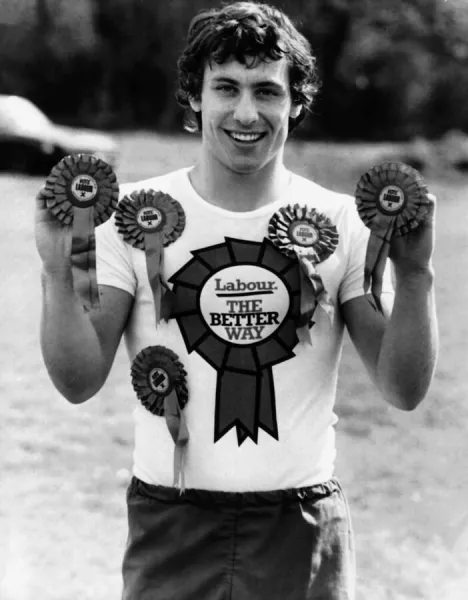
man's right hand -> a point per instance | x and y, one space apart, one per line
78 346
53 239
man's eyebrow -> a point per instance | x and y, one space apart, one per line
270 83
223 79
264 83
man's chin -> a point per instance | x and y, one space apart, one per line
245 167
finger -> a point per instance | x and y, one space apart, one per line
41 198
44 198
427 212
431 207
43 214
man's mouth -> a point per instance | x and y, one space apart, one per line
246 138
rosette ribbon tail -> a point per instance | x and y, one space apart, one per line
83 257
177 425
154 249
167 299
377 251
311 280
307 308
381 233
378 273
245 401
323 298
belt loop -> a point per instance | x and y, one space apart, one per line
302 493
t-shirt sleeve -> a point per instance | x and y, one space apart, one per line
113 259
352 283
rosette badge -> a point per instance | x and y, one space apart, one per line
311 237
391 199
150 220
82 192
159 380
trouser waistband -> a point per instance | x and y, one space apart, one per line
196 496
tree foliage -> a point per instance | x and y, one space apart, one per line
391 69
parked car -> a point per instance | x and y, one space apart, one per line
31 143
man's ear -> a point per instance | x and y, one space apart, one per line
295 111
195 104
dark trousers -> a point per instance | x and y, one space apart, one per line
281 545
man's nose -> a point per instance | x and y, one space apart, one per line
246 110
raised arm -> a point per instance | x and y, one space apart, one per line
78 347
400 350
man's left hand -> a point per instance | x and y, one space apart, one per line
412 252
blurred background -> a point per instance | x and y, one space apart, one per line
100 76
391 70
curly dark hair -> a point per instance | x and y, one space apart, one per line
245 31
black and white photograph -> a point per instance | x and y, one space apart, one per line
233 305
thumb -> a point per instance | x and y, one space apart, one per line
430 205
45 199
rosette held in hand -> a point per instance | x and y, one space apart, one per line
391 199
82 192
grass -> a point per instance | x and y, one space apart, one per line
65 468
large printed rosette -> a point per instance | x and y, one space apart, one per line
160 382
236 305
303 233
82 192
391 200
150 221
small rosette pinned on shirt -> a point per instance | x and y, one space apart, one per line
391 199
82 192
150 221
160 382
311 237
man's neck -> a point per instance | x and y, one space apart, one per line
239 192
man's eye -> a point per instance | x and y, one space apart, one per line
226 89
267 93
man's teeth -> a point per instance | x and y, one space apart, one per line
246 137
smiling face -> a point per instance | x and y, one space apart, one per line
245 113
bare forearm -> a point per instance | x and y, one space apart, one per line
409 347
70 345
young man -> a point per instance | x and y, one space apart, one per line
251 433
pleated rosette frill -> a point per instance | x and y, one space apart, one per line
150 220
82 192
311 237
391 199
160 382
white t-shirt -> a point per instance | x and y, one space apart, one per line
260 406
